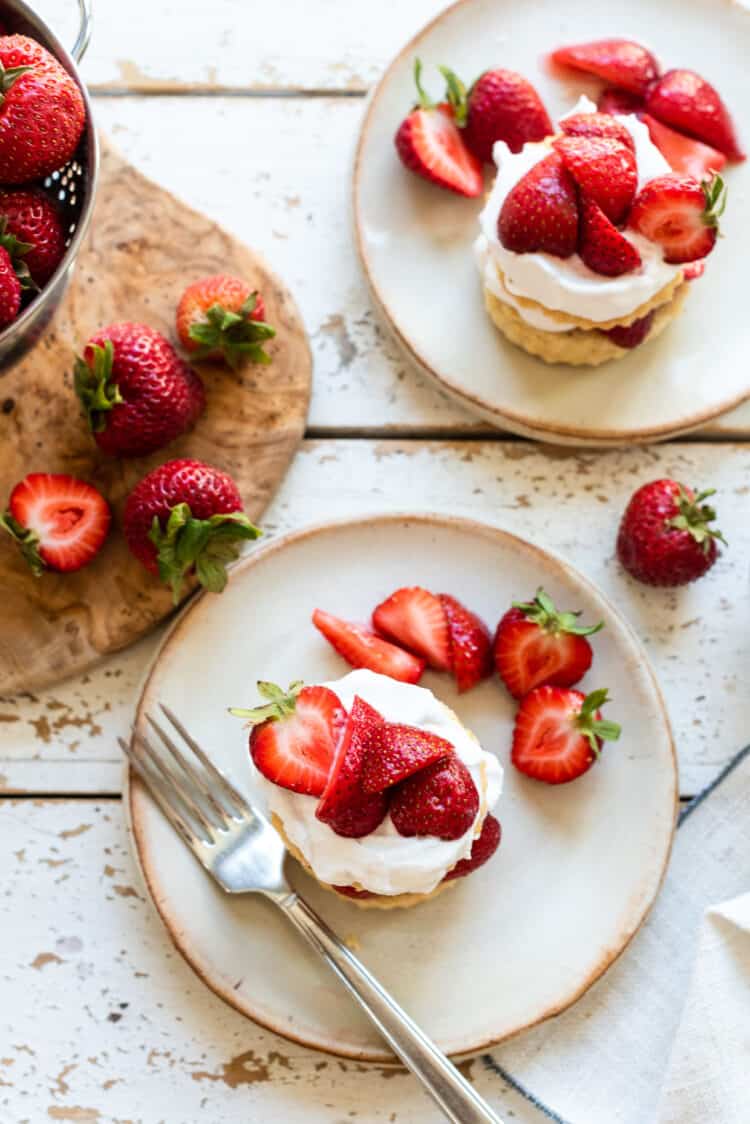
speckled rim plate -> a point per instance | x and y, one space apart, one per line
415 240
519 941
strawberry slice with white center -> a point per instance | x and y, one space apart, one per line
415 618
559 733
429 143
680 214
345 805
398 753
471 645
362 648
295 734
58 522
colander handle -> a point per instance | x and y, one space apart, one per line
84 31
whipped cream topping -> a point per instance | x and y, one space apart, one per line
385 862
566 284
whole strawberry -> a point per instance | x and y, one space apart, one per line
31 230
186 516
10 290
223 317
665 536
500 106
42 113
137 392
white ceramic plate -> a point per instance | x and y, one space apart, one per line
415 240
578 867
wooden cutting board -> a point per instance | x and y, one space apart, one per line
144 247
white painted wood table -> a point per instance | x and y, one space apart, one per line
249 111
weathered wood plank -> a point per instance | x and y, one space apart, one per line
64 739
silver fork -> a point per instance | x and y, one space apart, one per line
245 854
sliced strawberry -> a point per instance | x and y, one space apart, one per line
483 848
353 892
693 270
601 245
414 618
540 212
471 644
618 61
597 125
344 805
294 735
619 102
685 101
684 155
362 648
440 800
429 143
57 521
398 753
680 214
605 171
536 644
631 335
559 733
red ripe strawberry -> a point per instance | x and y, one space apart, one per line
536 645
605 171
665 536
353 892
294 735
59 523
617 101
601 245
596 125
362 648
31 230
42 114
684 155
137 392
415 618
10 290
540 212
680 214
223 317
471 645
630 335
501 105
185 517
399 752
440 800
344 804
693 270
620 62
483 848
559 733
685 101
429 143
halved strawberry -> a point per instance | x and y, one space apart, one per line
398 753
440 800
415 618
618 102
294 735
540 212
605 171
684 155
630 335
680 214
685 101
601 245
620 62
596 125
429 143
344 805
483 848
362 648
58 522
471 644
536 644
559 733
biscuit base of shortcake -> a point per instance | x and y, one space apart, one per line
377 901
579 347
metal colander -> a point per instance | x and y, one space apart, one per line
72 187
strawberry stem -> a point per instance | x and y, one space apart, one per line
595 729
234 334
542 612
279 706
694 516
424 101
9 76
456 95
94 385
715 195
203 545
16 249
27 541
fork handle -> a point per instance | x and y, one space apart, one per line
455 1096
